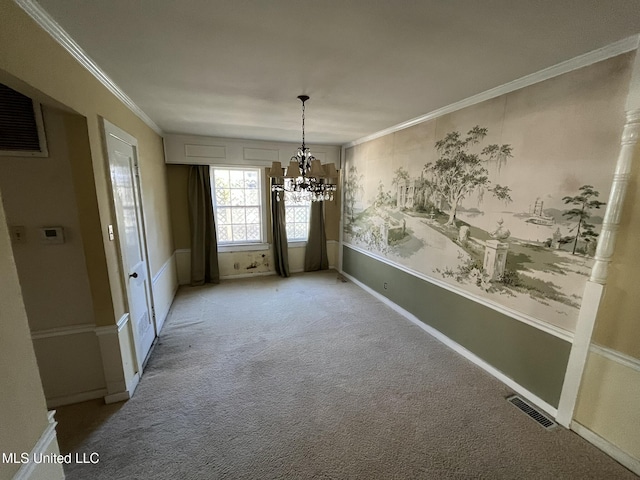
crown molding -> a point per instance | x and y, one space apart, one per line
48 24
622 46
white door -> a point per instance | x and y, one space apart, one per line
123 165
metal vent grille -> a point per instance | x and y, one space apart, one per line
542 419
18 125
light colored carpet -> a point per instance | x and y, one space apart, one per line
310 377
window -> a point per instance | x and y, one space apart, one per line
297 210
237 205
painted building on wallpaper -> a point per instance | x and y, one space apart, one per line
565 133
517 340
547 164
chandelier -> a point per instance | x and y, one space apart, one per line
306 177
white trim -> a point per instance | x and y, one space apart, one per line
113 329
161 315
607 447
617 48
164 266
458 349
579 351
127 394
297 243
49 25
76 398
247 275
594 289
116 132
40 448
122 322
343 176
534 322
63 331
615 356
242 247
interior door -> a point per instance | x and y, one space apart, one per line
123 165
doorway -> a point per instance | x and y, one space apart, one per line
122 151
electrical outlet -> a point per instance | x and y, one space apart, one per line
18 234
386 285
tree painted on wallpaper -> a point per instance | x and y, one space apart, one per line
457 173
584 202
352 190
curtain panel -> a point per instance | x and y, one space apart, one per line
279 230
204 245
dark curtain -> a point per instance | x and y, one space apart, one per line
315 255
279 227
204 245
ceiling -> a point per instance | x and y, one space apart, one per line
234 68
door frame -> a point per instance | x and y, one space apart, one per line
109 129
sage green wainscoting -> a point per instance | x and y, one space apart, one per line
531 357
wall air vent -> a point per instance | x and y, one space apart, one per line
21 125
542 419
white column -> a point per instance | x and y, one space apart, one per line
594 289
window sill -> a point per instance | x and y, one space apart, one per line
297 243
243 247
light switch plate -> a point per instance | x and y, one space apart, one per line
18 234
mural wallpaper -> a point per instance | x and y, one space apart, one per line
504 199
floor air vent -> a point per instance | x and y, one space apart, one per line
543 420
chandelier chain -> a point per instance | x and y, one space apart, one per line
303 144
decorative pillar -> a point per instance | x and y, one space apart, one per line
594 288
495 259
621 177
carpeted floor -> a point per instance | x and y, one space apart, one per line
310 377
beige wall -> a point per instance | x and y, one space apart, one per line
29 54
178 176
23 414
608 403
40 192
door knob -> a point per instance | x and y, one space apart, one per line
133 275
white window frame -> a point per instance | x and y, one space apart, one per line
248 245
290 204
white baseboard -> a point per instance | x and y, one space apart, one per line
127 394
76 398
607 447
247 275
183 263
459 349
47 443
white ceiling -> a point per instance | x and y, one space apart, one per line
234 68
